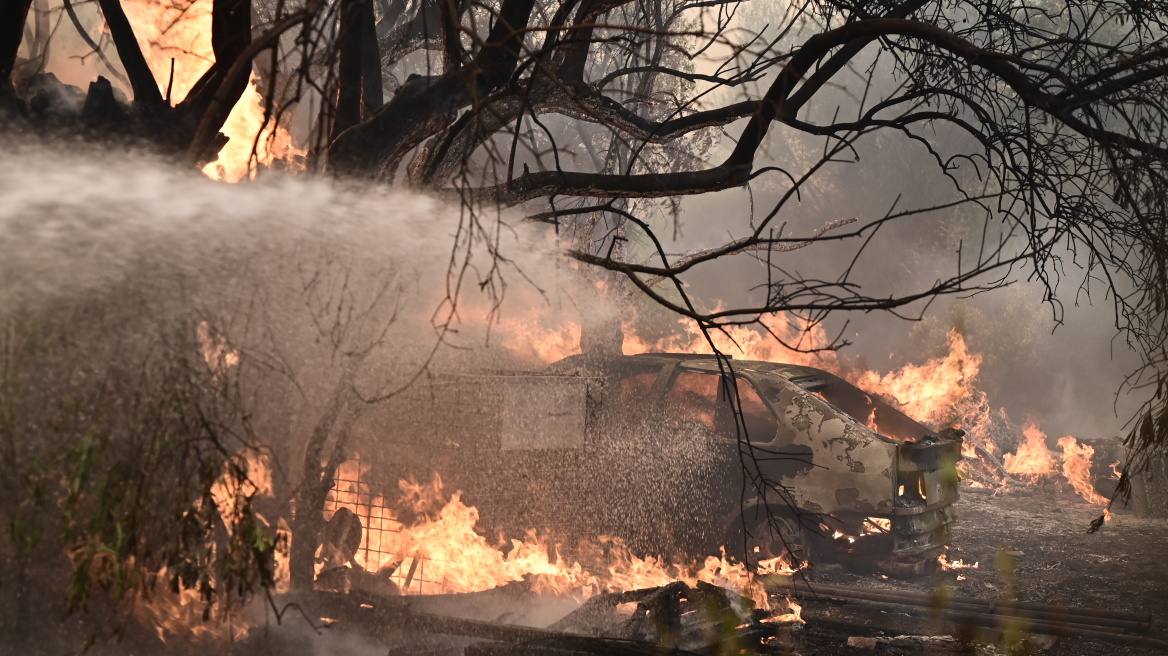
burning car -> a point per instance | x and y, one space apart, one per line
672 453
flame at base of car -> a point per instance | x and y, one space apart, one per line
870 526
441 550
947 565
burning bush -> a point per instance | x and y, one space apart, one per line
118 476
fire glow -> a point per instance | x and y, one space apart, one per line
177 37
941 392
442 552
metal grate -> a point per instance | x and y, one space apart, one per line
381 539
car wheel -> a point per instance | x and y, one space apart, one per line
770 538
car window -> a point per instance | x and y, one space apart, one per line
636 387
628 393
693 397
760 422
864 408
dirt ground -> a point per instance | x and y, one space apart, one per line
1032 547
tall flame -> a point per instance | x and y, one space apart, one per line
183 612
932 392
1033 458
178 33
442 551
744 342
1077 469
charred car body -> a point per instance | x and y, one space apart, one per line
679 453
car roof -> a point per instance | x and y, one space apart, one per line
709 362
702 362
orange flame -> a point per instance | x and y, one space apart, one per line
744 342
932 392
1033 458
178 33
443 552
794 614
541 341
947 564
184 613
1077 469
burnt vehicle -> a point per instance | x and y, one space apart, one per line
670 452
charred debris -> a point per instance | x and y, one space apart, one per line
705 619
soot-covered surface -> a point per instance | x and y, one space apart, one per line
1033 547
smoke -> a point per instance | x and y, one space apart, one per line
78 223
1060 363
129 287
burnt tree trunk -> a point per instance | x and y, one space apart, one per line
359 92
349 85
1150 488
372 96
215 94
146 94
318 476
13 14
424 106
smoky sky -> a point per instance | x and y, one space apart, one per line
1063 374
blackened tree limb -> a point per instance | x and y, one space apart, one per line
598 108
146 94
470 131
422 32
230 29
473 129
835 63
349 82
372 95
685 75
736 170
573 52
451 34
84 33
424 106
605 185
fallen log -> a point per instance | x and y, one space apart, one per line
1075 616
1046 628
1137 621
1115 627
